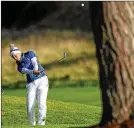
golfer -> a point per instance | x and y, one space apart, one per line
37 83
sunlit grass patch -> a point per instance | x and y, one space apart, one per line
59 113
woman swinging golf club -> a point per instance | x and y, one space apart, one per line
37 83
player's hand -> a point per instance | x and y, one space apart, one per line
36 72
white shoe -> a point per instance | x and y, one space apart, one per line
41 123
33 123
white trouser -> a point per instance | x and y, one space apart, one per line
37 89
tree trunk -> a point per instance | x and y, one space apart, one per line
113 29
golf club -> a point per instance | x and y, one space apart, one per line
64 56
55 62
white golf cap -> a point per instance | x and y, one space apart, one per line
14 49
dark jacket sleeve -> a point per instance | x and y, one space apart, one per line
19 68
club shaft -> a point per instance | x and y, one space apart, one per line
55 62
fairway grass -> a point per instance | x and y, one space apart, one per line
60 114
83 95
50 126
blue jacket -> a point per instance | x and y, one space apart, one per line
25 62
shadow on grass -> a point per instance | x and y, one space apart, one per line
69 62
94 126
56 83
18 84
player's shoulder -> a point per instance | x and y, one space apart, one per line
30 53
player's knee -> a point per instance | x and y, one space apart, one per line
42 106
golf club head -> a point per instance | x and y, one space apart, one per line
65 54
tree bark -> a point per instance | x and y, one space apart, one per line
113 29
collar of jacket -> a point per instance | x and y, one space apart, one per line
21 58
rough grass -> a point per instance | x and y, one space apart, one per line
60 114
80 63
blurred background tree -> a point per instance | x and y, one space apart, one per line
36 16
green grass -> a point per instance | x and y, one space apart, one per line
84 95
60 114
55 83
